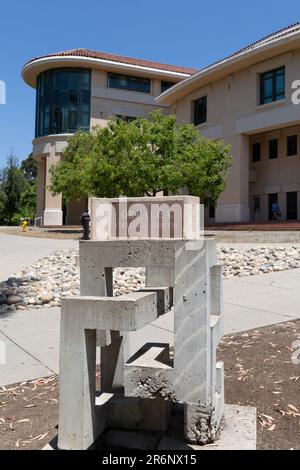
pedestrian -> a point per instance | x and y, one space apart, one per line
276 213
85 222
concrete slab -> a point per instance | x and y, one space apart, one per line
32 344
240 318
17 252
19 364
237 432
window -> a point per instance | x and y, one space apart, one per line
63 101
128 82
212 209
165 86
125 118
256 152
200 110
272 86
292 144
257 204
292 206
273 149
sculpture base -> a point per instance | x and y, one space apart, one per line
237 432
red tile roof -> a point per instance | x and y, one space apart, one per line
281 33
117 58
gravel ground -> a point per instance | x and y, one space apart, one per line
57 276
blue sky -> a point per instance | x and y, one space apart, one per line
191 32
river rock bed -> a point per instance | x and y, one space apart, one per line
57 275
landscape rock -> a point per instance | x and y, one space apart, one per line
14 299
57 275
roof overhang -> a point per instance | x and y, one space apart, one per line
226 67
31 70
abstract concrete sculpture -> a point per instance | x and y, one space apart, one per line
138 388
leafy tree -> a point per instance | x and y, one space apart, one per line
139 158
28 201
29 169
2 203
13 184
17 190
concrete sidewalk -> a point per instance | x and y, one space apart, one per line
32 338
18 252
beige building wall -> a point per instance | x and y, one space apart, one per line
106 103
234 114
269 176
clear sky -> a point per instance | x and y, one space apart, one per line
182 32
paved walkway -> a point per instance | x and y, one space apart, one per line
32 338
18 252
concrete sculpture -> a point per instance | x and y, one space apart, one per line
138 388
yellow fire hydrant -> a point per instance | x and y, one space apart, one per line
24 225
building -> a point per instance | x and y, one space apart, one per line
246 100
81 89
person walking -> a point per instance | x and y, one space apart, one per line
276 213
85 222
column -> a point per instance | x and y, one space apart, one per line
233 205
41 180
53 215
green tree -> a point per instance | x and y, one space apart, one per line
139 158
13 184
2 203
17 190
29 169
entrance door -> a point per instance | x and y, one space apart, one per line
291 206
272 198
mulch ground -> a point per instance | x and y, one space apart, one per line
259 371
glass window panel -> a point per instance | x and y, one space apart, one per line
63 101
165 86
292 145
272 85
200 110
256 152
127 82
273 149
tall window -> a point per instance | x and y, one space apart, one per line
63 101
200 110
292 145
272 86
256 152
273 149
128 82
165 86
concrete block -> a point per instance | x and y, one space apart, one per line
147 217
164 298
129 312
138 414
237 432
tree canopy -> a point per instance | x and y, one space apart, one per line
17 190
141 157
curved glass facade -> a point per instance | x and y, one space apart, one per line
63 101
